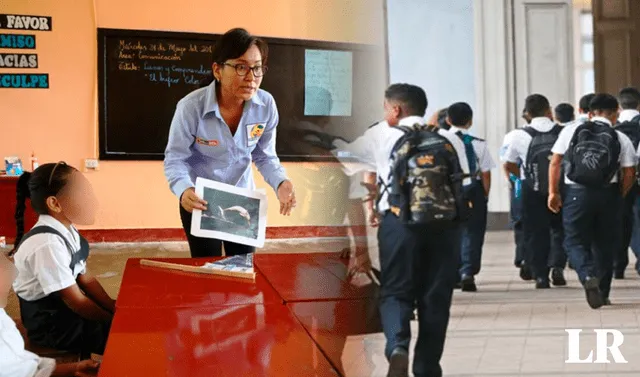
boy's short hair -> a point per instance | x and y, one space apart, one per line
442 119
412 98
565 113
629 98
605 103
537 105
585 102
460 114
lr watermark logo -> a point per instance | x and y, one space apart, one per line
602 347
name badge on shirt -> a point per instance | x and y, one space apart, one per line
254 131
211 143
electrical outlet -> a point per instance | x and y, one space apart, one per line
91 164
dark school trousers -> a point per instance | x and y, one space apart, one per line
515 215
418 265
593 231
474 230
628 210
541 228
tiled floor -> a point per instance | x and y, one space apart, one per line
506 329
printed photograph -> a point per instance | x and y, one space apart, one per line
230 213
233 214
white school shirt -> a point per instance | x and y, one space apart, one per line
15 361
517 150
506 141
627 157
375 145
485 162
627 115
43 262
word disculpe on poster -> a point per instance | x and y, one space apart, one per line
24 80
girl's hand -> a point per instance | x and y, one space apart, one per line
87 368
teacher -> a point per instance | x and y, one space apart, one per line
218 130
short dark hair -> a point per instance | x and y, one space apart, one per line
565 113
604 102
585 102
536 105
442 119
629 98
460 113
412 98
235 42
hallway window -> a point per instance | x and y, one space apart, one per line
583 47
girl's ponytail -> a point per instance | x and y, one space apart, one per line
22 193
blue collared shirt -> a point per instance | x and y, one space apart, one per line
201 145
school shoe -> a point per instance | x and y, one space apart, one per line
557 277
525 272
606 301
618 275
468 284
399 363
592 291
542 283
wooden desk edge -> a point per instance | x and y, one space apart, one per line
195 269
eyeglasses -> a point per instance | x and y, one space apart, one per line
243 69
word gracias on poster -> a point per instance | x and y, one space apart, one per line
17 41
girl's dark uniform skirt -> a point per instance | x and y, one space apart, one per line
51 323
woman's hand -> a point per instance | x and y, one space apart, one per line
190 201
287 197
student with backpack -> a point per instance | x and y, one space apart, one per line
532 146
421 171
583 109
515 210
564 114
628 124
460 117
599 171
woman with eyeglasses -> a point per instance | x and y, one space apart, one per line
219 130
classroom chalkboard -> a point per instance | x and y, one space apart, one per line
143 74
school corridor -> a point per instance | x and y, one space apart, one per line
506 329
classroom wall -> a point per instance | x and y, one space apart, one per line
61 123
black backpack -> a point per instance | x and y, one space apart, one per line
592 158
425 179
631 128
536 170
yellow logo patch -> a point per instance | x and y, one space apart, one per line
256 130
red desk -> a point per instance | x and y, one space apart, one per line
234 341
8 209
311 277
150 287
170 323
337 327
